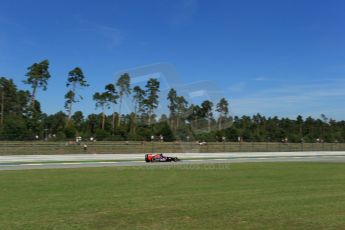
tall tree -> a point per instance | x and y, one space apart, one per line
206 107
75 79
182 104
37 77
102 101
78 119
223 110
151 102
13 102
299 122
2 105
138 99
194 113
124 84
112 96
56 123
172 98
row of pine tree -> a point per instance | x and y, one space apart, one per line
21 117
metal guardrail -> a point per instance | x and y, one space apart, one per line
12 148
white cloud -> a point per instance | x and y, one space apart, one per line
311 89
144 78
312 98
198 93
113 36
237 87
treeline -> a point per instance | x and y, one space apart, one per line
21 117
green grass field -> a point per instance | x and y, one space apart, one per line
222 196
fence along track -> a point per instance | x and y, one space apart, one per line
14 148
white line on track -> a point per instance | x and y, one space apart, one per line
105 162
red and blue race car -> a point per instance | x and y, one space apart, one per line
160 158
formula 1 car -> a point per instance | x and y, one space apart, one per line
159 158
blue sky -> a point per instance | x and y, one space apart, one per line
273 57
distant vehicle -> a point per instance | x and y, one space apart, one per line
159 158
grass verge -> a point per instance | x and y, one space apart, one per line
217 196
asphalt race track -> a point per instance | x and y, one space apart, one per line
21 162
